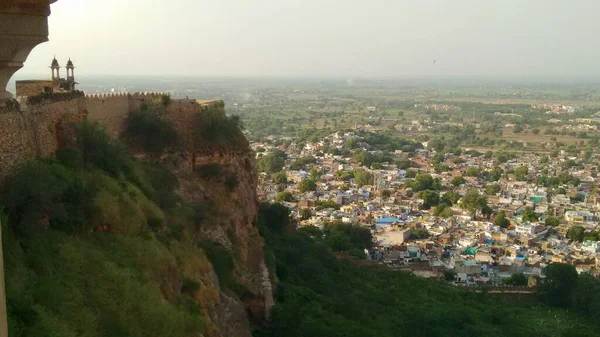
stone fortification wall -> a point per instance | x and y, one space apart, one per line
110 110
36 131
36 126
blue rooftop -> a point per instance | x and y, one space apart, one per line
387 220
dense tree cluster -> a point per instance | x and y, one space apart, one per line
320 295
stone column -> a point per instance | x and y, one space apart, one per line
3 316
23 25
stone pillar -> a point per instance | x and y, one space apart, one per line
3 316
23 25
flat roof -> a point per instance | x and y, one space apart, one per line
33 81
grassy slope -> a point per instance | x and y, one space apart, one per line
103 285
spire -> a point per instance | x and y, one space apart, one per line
54 62
70 64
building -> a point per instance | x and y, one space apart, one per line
54 85
590 246
578 217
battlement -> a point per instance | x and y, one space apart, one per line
121 95
51 97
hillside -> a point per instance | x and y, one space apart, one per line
150 235
319 295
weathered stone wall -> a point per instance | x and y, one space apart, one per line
33 88
38 128
36 131
110 110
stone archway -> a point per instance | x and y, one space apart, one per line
23 25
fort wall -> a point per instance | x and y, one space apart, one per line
36 131
37 126
109 110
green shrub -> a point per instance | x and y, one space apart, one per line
209 171
45 191
221 260
212 128
231 182
190 286
150 130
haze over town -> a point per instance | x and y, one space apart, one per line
324 38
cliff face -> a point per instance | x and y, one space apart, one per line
232 226
228 197
230 194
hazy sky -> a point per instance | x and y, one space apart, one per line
324 37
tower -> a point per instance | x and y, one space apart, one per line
70 71
55 69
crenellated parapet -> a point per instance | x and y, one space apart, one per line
52 97
119 95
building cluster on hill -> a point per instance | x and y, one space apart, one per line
528 210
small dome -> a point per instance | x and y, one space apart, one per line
70 63
54 62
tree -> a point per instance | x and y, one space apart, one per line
518 129
341 236
521 173
559 285
450 198
586 298
422 182
275 217
449 275
535 131
305 214
307 185
302 161
495 174
517 279
386 193
576 233
492 189
552 221
312 231
500 220
315 174
530 215
430 198
438 158
403 163
284 196
473 172
270 163
458 180
443 210
363 177
279 177
419 234
473 202
436 144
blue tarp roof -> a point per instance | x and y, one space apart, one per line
387 220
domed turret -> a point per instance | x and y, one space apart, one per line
55 69
70 71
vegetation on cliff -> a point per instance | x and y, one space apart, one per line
320 295
212 128
99 244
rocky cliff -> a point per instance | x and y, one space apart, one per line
215 171
224 178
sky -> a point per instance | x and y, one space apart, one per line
347 38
